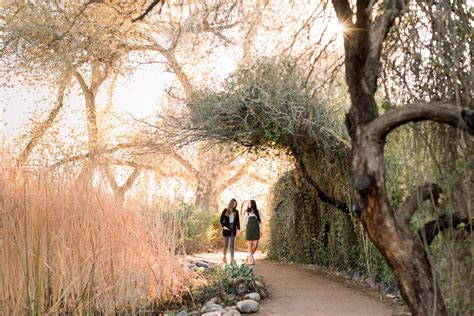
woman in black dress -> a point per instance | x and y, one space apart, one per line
253 223
230 225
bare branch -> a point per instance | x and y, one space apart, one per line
184 175
343 12
82 83
129 182
260 179
98 151
179 72
185 163
428 191
320 193
438 112
111 179
148 10
380 28
236 177
444 222
39 131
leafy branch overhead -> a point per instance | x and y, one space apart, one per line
265 105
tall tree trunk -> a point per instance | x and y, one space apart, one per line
90 92
204 196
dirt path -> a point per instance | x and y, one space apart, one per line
301 291
297 290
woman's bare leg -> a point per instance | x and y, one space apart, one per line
254 248
249 244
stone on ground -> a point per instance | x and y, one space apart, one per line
231 312
212 314
247 306
253 296
209 308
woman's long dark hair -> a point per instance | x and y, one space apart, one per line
253 207
231 208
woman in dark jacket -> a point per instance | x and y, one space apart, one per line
230 225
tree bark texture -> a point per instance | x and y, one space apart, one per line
405 252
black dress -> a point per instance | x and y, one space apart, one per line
225 222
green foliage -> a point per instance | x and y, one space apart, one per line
196 226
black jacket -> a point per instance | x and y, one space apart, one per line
225 222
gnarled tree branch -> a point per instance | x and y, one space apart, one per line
185 163
380 28
148 10
39 131
319 192
443 222
428 191
343 12
439 112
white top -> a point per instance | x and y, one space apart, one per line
231 217
246 219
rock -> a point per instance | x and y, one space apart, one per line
182 313
209 308
247 306
259 284
232 312
202 264
352 273
382 286
233 307
253 296
356 276
209 270
241 288
212 314
392 292
263 293
194 313
371 282
214 300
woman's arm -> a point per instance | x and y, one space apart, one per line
222 218
259 222
246 219
237 220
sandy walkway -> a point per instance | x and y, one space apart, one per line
303 291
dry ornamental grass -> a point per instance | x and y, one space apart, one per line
67 249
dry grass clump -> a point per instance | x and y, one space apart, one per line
66 249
